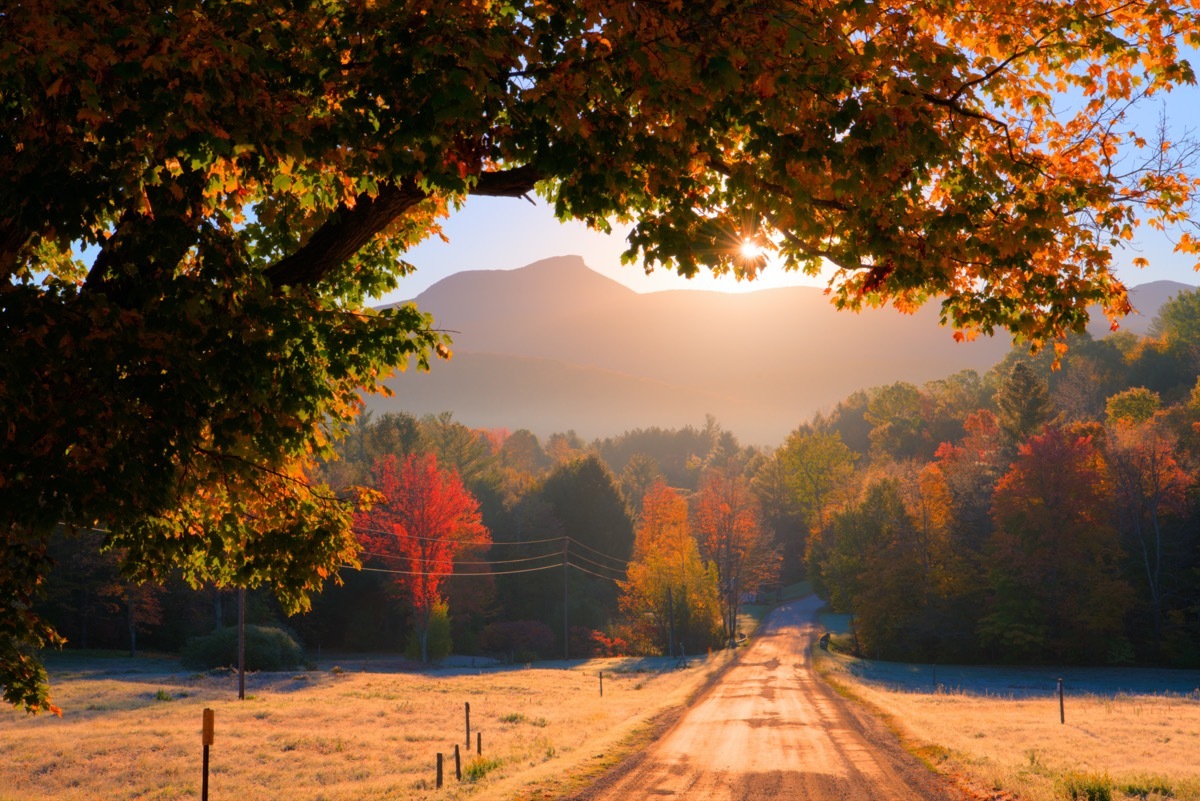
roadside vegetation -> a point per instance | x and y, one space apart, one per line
1129 733
131 729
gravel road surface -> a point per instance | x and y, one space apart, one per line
771 729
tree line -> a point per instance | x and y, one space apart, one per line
1043 511
463 537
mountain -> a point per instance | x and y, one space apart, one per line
556 346
1147 299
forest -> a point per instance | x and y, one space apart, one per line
1043 512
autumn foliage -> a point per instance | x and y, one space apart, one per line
669 589
247 176
732 539
1054 554
424 518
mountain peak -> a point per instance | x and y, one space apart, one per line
547 279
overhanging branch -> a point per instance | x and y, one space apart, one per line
349 229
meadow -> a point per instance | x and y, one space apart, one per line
360 728
1128 733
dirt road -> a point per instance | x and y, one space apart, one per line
771 729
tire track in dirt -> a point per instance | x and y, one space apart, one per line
770 728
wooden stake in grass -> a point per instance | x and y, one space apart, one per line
1062 714
439 770
207 728
602 684
468 707
457 763
479 742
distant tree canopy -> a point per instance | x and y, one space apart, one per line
250 174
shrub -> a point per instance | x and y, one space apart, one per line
267 648
1086 787
587 642
525 639
1145 786
479 767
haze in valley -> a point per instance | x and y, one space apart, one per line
555 346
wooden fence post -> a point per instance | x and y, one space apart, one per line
602 684
457 763
206 738
439 770
468 710
479 743
1062 714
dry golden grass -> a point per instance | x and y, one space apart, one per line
131 730
1000 746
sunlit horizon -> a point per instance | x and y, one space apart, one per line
506 234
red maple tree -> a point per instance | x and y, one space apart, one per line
425 518
732 538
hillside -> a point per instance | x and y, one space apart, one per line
554 346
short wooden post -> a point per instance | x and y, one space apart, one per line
207 728
468 709
1062 714
602 684
457 763
479 743
439 770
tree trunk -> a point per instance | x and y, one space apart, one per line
132 626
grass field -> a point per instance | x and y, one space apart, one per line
1129 733
131 729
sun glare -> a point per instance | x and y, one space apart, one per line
751 249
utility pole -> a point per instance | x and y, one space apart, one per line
241 643
566 640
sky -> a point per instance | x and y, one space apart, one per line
503 234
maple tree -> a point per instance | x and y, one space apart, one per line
668 588
1150 488
250 174
1053 554
895 560
820 464
425 518
872 567
1132 406
732 539
971 469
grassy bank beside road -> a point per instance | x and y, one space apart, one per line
131 729
1129 733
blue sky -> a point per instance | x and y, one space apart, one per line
502 234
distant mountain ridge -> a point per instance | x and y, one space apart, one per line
555 346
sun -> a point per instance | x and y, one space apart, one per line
751 250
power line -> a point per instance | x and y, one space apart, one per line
600 553
555 554
594 563
480 573
585 570
622 562
439 539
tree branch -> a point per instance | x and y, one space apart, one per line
349 229
344 234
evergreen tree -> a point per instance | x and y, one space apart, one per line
1023 405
